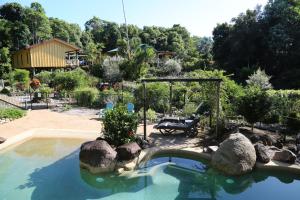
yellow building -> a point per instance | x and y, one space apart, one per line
50 54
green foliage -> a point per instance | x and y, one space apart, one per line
108 96
20 78
70 80
128 97
45 90
284 102
293 122
45 77
5 91
189 109
11 113
206 92
157 97
37 22
96 70
65 31
5 65
265 38
12 12
86 96
151 115
111 69
255 105
119 126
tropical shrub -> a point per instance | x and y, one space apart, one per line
20 77
69 81
206 91
189 109
128 97
255 105
11 113
86 96
45 77
120 126
157 97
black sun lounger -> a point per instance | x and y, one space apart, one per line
188 126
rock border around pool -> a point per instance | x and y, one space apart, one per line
145 154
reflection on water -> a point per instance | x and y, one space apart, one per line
49 169
47 147
198 180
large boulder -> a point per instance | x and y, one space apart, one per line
262 153
285 156
128 151
235 156
97 156
2 140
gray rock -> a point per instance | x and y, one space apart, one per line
285 156
292 148
97 156
254 138
262 153
2 140
268 140
128 151
235 156
144 144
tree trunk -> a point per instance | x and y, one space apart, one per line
252 128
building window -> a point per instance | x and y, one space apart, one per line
27 58
22 59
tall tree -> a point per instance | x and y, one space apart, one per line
38 23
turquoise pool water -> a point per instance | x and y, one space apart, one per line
49 169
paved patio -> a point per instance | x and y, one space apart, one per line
84 120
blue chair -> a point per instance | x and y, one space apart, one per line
109 106
130 107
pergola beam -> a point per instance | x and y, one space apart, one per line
181 80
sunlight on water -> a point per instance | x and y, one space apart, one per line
49 169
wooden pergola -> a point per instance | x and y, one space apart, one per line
217 81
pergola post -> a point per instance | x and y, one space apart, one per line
145 116
170 101
218 108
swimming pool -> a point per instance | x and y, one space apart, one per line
49 169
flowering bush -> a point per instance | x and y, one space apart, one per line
120 126
35 83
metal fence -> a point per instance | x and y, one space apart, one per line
34 101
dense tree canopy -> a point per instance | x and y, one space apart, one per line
267 38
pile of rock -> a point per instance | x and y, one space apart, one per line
268 148
237 155
99 157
